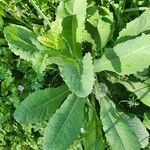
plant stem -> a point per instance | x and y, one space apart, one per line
40 12
135 9
122 4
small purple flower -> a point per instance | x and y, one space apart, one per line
21 88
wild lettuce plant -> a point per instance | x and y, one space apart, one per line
82 112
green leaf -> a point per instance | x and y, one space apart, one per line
72 14
69 33
142 90
146 120
76 146
19 40
105 26
79 76
139 130
99 25
74 8
40 105
24 44
1 23
144 75
135 27
118 134
93 139
53 38
124 58
64 126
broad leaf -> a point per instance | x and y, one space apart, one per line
64 127
24 44
99 25
105 26
141 89
53 38
79 76
135 27
125 57
72 14
40 105
146 120
139 130
100 90
73 8
117 132
93 139
19 40
47 56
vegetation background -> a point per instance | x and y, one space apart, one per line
18 79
